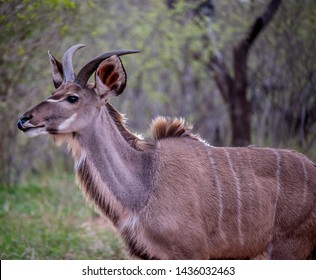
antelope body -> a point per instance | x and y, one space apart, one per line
176 197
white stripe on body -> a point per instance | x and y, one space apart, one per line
220 197
305 181
239 198
278 180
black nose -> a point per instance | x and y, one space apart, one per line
22 121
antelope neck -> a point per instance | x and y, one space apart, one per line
123 170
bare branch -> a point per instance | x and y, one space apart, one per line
222 77
262 21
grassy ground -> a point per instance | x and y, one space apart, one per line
49 219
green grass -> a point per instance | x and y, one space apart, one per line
49 219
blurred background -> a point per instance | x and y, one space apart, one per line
242 72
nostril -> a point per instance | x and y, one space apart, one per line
24 119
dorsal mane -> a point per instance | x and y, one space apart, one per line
163 127
119 119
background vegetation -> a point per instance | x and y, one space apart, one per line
42 214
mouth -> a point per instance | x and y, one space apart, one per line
31 130
35 131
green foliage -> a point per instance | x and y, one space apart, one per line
26 19
49 219
171 76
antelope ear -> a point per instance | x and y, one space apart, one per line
57 70
110 78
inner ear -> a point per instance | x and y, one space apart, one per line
110 77
57 70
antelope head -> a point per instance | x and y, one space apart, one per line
75 102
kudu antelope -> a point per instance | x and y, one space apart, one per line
175 197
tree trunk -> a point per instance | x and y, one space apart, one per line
234 88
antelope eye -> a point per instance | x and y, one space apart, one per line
72 99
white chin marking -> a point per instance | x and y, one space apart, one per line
64 125
32 132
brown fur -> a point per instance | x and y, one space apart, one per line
162 127
131 138
268 222
177 197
